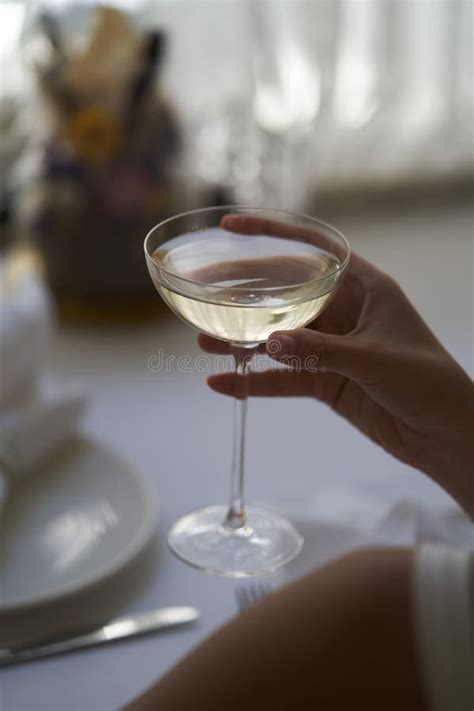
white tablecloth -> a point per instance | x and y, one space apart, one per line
177 433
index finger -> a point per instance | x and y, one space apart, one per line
253 225
247 224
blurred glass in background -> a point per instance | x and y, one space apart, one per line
287 100
115 115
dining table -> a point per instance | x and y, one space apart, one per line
148 404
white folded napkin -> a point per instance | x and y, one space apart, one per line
25 328
36 414
353 522
408 522
32 432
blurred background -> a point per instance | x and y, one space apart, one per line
115 115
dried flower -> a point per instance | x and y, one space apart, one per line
94 133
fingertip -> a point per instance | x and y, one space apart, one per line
245 224
233 223
280 343
230 220
223 383
203 340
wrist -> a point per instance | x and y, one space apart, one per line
452 467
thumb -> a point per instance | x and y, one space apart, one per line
308 350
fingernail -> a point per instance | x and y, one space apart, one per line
281 344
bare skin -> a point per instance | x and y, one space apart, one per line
380 367
341 637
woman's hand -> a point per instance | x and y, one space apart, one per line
371 357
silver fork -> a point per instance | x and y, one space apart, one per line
248 595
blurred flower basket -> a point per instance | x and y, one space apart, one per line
108 162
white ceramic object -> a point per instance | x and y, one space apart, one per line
79 519
32 432
25 329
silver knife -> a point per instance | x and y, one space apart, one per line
163 618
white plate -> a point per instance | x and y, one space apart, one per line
74 522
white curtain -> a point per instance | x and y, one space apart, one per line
327 92
282 97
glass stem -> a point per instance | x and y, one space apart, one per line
236 514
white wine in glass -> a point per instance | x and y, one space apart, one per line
239 274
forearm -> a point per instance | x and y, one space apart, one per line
453 468
450 458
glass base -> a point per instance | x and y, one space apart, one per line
265 543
